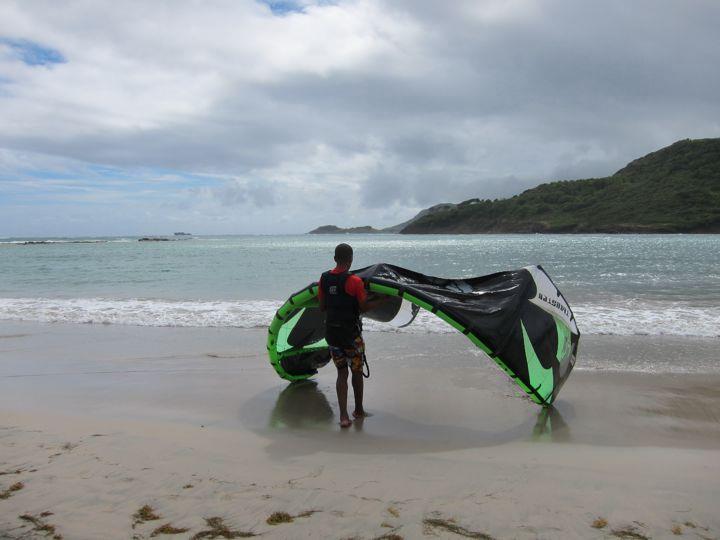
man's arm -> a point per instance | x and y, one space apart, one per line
361 294
369 305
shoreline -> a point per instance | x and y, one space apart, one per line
99 421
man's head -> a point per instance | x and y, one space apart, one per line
343 255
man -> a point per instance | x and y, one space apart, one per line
343 297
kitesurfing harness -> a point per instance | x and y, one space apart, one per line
342 311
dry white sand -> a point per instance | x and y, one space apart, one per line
97 422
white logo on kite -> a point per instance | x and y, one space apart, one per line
548 298
554 303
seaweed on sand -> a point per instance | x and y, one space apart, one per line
40 526
168 529
629 532
143 514
218 529
447 525
276 518
17 486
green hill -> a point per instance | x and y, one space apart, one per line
676 189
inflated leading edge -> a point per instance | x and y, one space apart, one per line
519 318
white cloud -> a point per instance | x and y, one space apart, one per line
359 112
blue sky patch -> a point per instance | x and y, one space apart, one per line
283 7
33 54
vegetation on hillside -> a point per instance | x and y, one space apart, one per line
676 189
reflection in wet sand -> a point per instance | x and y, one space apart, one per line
302 421
550 426
301 405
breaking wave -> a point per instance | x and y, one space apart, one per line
618 318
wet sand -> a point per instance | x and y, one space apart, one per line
98 421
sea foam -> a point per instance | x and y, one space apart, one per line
618 318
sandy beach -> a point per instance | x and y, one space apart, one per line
101 421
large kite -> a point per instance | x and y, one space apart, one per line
519 318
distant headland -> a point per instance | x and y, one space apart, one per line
332 229
673 190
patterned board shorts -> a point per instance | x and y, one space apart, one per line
352 358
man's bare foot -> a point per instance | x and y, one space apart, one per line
345 422
360 413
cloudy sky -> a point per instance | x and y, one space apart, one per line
243 116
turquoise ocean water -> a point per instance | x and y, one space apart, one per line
647 285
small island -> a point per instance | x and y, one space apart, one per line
332 229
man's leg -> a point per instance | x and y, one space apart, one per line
342 388
357 383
